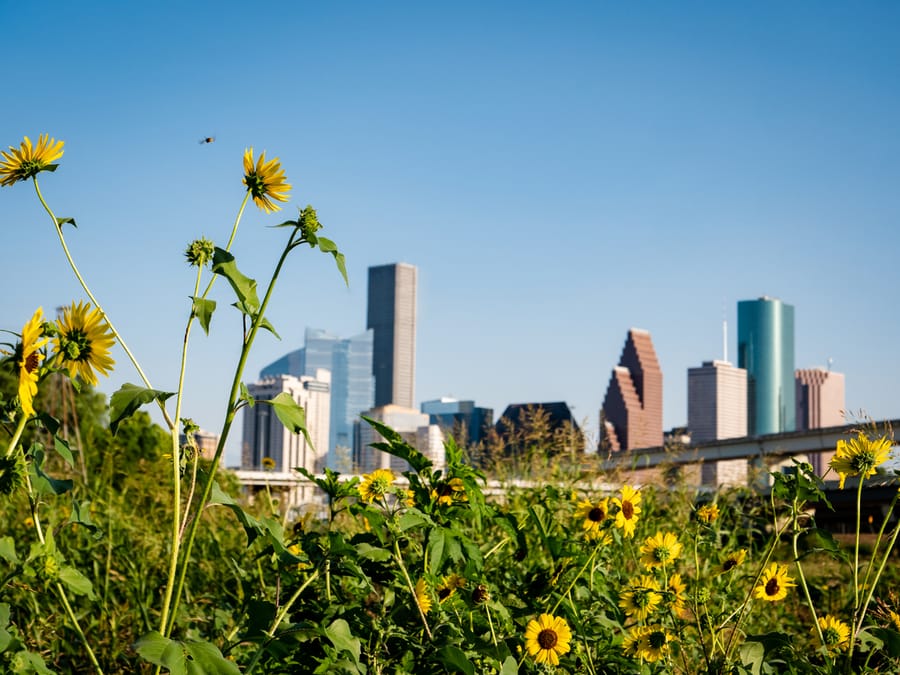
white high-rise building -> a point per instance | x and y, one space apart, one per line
266 437
717 402
412 425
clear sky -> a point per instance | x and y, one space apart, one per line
559 172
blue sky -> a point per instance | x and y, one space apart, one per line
559 172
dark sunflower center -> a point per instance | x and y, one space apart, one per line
31 167
77 346
32 362
661 554
256 184
444 592
596 514
863 461
547 638
831 636
772 587
729 564
641 597
627 510
657 639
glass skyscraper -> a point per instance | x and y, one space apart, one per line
352 382
766 351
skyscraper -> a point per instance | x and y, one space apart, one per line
820 398
766 351
632 415
392 317
352 382
717 402
266 437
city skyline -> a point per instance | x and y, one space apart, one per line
579 169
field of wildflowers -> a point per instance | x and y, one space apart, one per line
122 551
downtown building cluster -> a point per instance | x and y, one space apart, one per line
763 394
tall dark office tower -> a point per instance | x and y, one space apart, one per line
392 317
766 350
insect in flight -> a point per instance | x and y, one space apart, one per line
208 139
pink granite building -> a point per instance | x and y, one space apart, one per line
631 416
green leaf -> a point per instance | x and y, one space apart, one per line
191 657
373 552
411 519
76 582
398 447
437 540
61 221
62 447
125 402
244 287
82 516
752 655
455 660
291 414
510 666
342 639
42 482
203 309
247 396
8 553
328 246
264 323
29 663
889 637
266 527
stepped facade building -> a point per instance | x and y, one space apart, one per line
632 413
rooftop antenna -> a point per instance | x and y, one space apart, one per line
724 335
830 361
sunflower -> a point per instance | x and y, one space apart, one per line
835 634
708 513
774 584
83 341
547 638
28 360
733 559
660 549
594 515
641 597
28 161
674 597
448 586
268 464
452 491
265 181
628 510
375 485
423 599
654 644
859 456
895 619
12 474
631 644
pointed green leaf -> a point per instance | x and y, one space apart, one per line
191 657
342 639
203 309
50 423
244 287
455 660
41 481
510 666
247 396
62 221
62 447
291 414
125 402
398 447
8 553
437 540
81 515
76 582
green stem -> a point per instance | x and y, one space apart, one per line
856 552
17 434
803 584
874 584
279 618
230 413
412 589
115 332
60 589
577 576
176 471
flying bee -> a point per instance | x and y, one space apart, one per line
208 139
